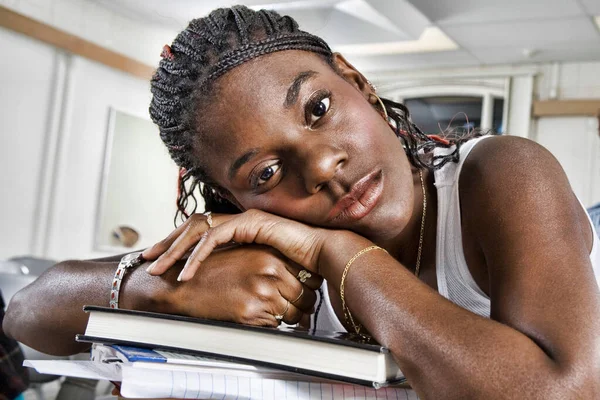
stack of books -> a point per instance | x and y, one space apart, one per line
151 355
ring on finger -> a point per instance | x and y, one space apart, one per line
303 275
209 220
300 295
280 317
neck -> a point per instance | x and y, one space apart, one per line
405 246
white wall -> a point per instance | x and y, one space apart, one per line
28 72
141 183
93 90
86 19
576 144
574 141
54 116
53 126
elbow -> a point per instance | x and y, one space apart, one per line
24 317
581 384
13 317
575 381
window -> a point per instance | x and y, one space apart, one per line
438 108
437 114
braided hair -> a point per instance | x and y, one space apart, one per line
207 49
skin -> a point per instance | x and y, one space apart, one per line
528 248
251 295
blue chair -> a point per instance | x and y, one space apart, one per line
594 213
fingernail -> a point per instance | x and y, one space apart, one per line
151 267
180 277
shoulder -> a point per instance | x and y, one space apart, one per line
507 173
500 157
517 200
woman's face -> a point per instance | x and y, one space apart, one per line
287 134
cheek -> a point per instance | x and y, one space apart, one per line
278 201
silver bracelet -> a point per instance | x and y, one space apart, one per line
128 261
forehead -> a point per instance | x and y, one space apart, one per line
248 101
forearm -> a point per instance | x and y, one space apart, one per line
47 314
446 351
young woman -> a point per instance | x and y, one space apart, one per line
471 260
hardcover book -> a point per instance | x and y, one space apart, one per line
330 355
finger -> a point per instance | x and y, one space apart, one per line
305 300
194 223
289 237
313 282
293 315
304 322
289 313
193 262
188 239
208 241
299 295
153 252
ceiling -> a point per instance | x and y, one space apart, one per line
410 34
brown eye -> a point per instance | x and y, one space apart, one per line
268 172
319 109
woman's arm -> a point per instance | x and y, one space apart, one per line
543 338
542 341
243 284
47 314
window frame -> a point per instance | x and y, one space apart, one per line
487 93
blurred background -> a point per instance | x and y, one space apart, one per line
83 172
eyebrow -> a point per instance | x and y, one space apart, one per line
241 160
294 89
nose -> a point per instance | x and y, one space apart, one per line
322 163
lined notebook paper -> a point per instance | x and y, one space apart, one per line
144 383
181 384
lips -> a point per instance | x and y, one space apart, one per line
361 199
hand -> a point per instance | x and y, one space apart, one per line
174 247
247 284
298 242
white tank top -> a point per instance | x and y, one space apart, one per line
454 279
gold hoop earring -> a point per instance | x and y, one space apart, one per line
381 105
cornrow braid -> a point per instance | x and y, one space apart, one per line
201 53
208 48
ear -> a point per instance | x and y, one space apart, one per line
352 76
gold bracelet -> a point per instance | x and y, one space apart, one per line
346 310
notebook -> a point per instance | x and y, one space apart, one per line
337 356
182 384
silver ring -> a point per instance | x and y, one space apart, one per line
209 220
280 317
303 275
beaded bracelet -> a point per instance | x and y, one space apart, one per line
347 315
128 261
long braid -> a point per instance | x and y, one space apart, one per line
207 49
419 146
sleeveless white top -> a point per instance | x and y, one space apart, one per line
454 279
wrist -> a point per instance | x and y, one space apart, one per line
144 292
339 247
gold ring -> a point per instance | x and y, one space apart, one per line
300 295
280 317
303 275
209 220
